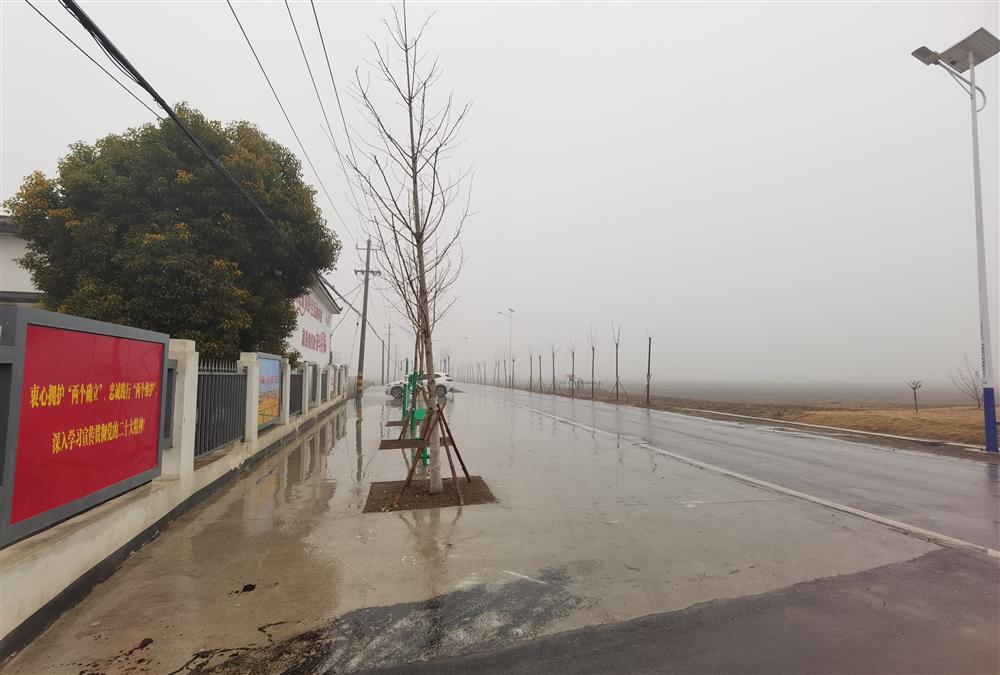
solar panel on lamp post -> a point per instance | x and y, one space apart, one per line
964 56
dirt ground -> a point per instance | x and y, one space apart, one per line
960 424
382 495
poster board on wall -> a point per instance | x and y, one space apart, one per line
269 394
83 403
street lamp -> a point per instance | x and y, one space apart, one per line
962 57
510 353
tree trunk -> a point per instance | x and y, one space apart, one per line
591 373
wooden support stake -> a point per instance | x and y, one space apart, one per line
409 476
458 454
454 477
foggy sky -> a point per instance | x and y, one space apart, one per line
774 192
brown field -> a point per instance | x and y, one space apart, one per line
960 424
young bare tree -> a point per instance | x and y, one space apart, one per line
413 208
968 380
572 368
914 385
552 347
616 334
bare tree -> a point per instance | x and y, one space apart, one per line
914 385
553 348
572 371
409 199
616 334
968 380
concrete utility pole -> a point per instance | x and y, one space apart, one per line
649 356
367 272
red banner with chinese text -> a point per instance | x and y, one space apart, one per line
89 416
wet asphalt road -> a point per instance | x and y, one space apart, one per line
956 497
600 556
934 614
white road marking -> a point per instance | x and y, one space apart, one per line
965 446
905 528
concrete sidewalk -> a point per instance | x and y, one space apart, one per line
280 571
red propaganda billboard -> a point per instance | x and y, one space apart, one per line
86 405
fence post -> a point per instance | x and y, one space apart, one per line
286 387
249 361
178 461
306 386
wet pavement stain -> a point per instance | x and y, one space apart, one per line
122 662
459 622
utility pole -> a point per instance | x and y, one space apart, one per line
649 356
367 272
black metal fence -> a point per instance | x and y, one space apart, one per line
222 399
324 385
313 385
295 395
168 391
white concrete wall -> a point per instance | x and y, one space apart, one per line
313 327
13 277
33 571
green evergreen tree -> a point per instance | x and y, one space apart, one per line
139 229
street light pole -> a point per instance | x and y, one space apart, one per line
985 338
978 47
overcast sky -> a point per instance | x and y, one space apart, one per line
774 192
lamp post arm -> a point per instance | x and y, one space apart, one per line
962 80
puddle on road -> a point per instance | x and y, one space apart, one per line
459 622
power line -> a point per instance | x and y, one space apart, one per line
322 107
336 92
347 302
94 61
116 55
309 69
285 113
356 288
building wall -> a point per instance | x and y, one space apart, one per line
36 569
311 337
13 277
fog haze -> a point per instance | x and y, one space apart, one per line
774 192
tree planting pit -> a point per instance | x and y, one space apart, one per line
382 495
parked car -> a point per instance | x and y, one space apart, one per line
443 385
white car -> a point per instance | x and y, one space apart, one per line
443 385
